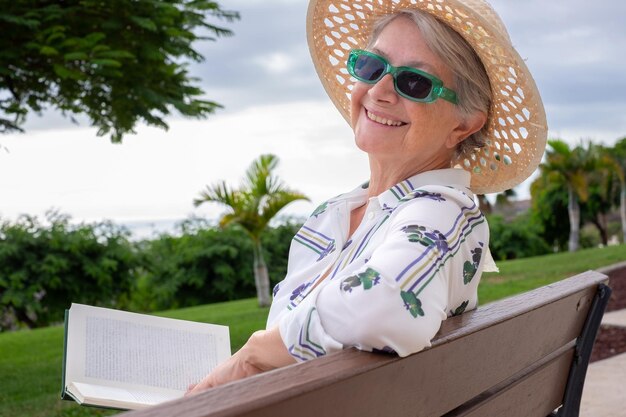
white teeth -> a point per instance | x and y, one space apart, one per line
382 120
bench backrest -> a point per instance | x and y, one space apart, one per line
511 357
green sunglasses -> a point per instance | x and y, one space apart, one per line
410 83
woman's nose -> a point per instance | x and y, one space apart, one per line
384 90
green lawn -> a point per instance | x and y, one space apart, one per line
525 274
30 360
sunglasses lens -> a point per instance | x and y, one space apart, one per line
368 68
413 85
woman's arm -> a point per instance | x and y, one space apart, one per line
264 351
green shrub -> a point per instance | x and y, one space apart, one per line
518 238
206 264
201 266
44 268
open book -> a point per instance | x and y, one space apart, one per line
126 360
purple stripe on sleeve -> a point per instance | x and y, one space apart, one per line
458 218
440 258
317 233
293 353
311 242
412 264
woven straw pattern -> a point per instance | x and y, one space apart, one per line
516 127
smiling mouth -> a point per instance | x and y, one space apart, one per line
382 120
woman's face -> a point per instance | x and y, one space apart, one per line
422 136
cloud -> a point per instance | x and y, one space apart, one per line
156 174
276 63
274 102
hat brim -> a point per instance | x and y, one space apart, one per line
516 128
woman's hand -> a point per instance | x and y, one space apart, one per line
264 351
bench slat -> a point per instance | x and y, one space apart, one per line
493 343
536 391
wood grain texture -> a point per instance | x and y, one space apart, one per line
471 354
536 391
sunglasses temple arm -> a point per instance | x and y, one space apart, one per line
448 95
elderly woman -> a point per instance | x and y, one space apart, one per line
444 107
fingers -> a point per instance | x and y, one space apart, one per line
235 368
203 385
190 388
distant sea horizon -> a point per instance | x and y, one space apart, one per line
149 229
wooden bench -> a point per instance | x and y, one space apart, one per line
522 356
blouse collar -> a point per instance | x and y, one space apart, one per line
450 177
389 199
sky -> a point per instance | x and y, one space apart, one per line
273 103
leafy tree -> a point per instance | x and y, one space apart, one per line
261 196
518 238
604 188
116 61
549 201
618 152
203 265
45 268
573 166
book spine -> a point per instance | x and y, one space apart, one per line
64 393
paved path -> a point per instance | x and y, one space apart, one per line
604 394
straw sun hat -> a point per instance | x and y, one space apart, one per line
516 129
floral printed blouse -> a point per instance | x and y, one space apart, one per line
415 259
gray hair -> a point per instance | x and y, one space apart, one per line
471 81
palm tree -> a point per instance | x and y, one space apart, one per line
607 180
573 166
261 196
619 155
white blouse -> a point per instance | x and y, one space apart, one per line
415 259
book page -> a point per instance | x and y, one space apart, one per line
147 355
135 351
111 396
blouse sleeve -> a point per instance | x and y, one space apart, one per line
398 299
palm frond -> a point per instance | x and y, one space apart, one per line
578 181
228 219
220 193
619 153
277 201
559 147
611 164
258 175
261 196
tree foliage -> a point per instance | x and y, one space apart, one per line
206 264
117 61
582 184
604 190
573 167
44 268
518 238
203 266
618 153
549 199
47 265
